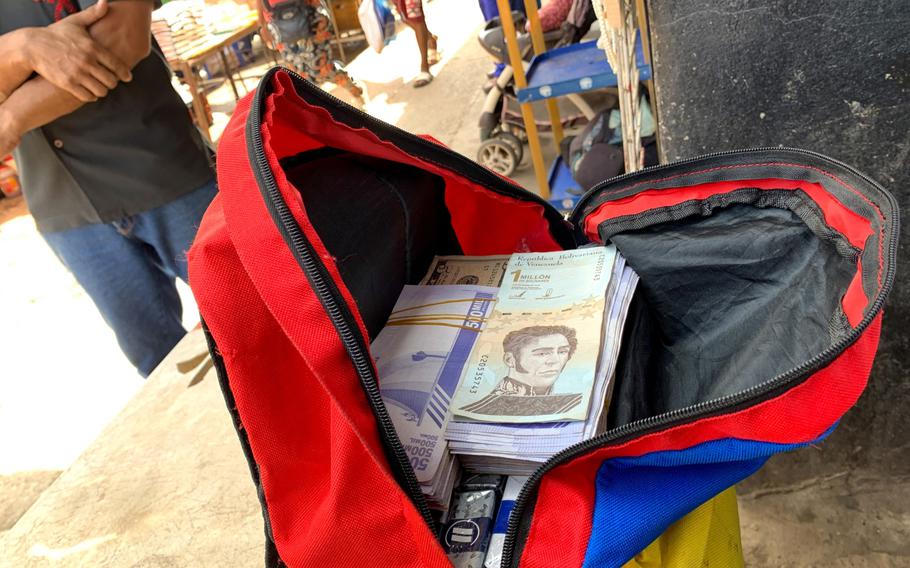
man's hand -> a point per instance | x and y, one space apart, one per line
122 28
10 133
66 55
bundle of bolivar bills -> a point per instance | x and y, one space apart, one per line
419 357
537 357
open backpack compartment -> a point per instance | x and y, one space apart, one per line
756 320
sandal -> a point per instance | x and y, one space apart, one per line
423 79
433 55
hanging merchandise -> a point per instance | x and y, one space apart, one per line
590 156
596 153
617 39
378 23
647 126
578 22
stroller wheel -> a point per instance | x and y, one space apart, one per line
497 155
516 144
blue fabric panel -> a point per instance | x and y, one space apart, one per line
638 498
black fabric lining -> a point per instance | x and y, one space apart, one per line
836 179
838 327
629 401
372 213
308 156
725 302
797 201
434 154
409 274
794 200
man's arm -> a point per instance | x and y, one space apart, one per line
65 54
14 68
125 31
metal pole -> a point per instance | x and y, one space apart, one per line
540 47
527 113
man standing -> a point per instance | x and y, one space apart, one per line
113 170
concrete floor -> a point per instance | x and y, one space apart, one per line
165 483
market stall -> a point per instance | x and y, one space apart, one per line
192 33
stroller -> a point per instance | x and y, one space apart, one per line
502 129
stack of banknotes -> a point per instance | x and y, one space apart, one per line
499 362
540 375
420 355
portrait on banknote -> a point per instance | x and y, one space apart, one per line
533 358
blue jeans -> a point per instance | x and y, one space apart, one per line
129 269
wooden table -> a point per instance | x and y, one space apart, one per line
346 24
187 62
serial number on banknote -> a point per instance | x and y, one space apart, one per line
479 373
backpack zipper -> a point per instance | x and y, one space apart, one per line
577 211
723 405
355 344
328 295
323 285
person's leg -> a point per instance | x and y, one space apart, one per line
328 68
411 12
136 299
294 56
489 9
432 45
423 41
169 230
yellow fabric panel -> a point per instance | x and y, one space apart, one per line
706 537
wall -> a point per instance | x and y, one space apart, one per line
831 76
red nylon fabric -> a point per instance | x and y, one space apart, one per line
507 225
330 496
854 227
801 414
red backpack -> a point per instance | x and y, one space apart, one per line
753 330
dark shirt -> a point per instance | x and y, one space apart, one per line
134 150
